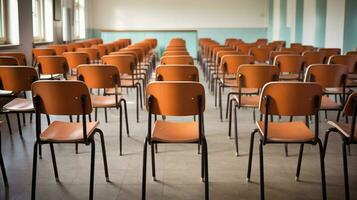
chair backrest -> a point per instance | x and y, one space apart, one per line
176 73
261 41
245 48
273 54
93 53
290 98
351 53
8 61
42 52
59 48
76 58
350 61
290 63
52 64
222 53
184 60
177 42
124 63
61 97
330 52
175 53
327 75
175 48
21 58
349 106
260 54
175 98
312 57
17 78
230 63
256 75
99 76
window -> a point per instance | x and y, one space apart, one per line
2 22
79 20
38 20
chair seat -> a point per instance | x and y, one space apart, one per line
329 104
59 131
229 82
289 77
287 131
334 90
245 90
175 132
248 101
104 101
128 82
19 105
343 128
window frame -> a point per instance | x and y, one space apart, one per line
3 38
78 8
41 24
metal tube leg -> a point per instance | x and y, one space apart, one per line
34 170
286 150
143 189
92 164
126 118
76 146
48 119
19 123
349 150
220 103
326 141
2 166
141 96
299 162
105 115
228 104
206 169
230 119
261 164
70 118
120 131
236 130
8 123
95 114
137 104
104 153
153 162
23 118
250 154
322 165
54 161
40 150
345 171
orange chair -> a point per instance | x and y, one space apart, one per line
350 61
8 61
177 42
175 98
65 98
177 73
17 79
175 53
59 48
74 59
261 41
329 76
183 60
228 67
314 58
348 134
52 66
273 54
105 76
93 54
2 167
351 53
249 76
21 58
261 54
291 66
41 52
288 99
330 52
128 76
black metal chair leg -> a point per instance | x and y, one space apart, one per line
261 166
143 189
92 164
345 171
349 150
156 148
326 140
230 119
8 123
2 166
236 130
206 169
153 162
299 162
19 123
95 114
286 150
30 117
322 165
104 153
251 154
23 118
220 102
120 131
105 115
141 96
48 119
70 118
126 117
40 150
137 104
34 171
228 103
76 148
54 163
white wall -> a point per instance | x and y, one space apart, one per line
335 19
276 20
177 14
309 22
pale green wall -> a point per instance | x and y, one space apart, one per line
320 30
350 31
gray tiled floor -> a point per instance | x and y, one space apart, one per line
178 166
